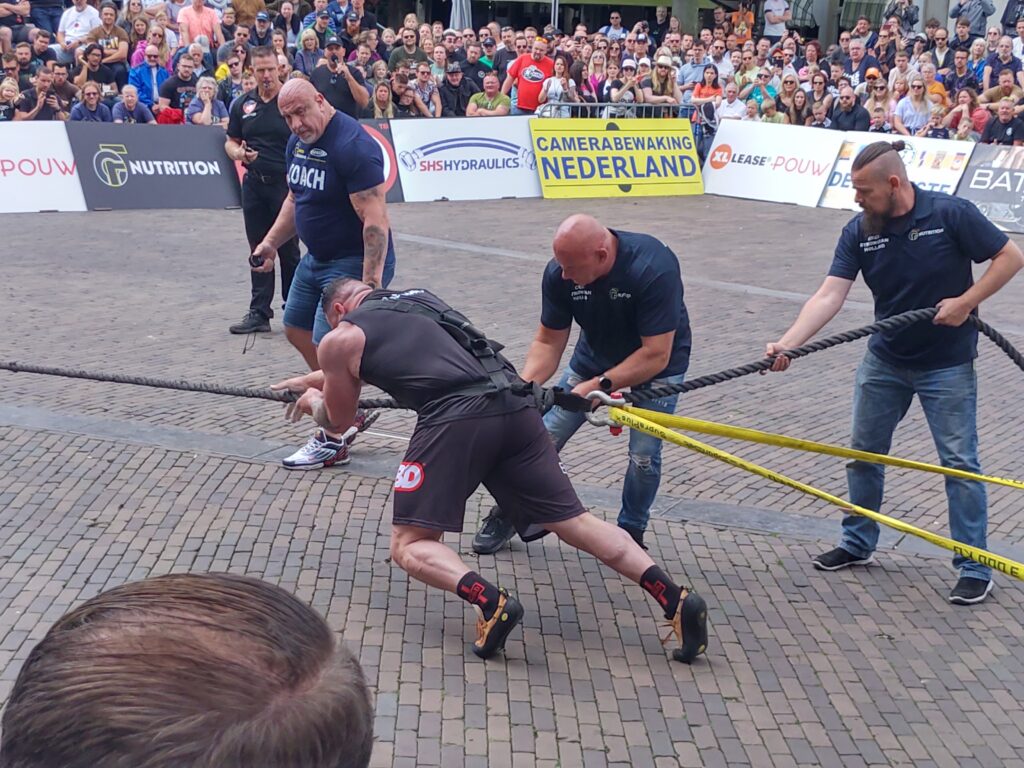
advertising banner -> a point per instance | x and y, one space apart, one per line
765 161
380 131
933 164
465 158
153 166
37 169
994 181
615 157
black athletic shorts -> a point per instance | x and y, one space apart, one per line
511 454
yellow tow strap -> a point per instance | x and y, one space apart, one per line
631 418
769 438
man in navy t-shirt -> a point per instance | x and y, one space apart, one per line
625 292
915 250
336 205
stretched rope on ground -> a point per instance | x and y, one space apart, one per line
261 393
888 324
651 393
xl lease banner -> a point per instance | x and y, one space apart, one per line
933 164
465 158
632 157
764 161
994 181
126 167
37 169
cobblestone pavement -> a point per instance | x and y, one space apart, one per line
100 484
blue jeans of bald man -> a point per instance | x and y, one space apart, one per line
643 476
948 397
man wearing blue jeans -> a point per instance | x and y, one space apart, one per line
336 205
625 292
915 249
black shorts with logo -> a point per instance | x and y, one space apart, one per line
511 454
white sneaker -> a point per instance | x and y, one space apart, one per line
319 451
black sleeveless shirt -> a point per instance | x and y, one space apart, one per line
413 359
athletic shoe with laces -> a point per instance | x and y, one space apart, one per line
838 558
319 451
495 532
491 633
253 322
363 421
690 627
970 591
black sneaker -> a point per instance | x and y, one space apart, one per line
636 533
253 322
492 633
497 531
970 591
690 626
838 558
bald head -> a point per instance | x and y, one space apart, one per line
584 249
304 109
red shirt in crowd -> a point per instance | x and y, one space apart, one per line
529 76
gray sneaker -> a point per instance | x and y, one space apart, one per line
838 558
970 591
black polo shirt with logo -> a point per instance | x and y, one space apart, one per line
915 262
259 124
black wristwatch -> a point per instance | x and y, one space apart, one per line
605 384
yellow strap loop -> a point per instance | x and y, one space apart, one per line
783 441
630 418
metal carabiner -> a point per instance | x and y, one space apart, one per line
614 399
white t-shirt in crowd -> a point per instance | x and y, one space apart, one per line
726 111
778 7
76 24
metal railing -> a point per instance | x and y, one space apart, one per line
606 109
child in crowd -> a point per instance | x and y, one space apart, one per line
935 129
878 122
820 115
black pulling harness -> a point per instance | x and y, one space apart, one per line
487 352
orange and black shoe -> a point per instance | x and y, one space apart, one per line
690 626
492 633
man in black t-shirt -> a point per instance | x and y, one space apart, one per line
1004 128
257 137
342 85
179 89
625 292
41 103
471 430
472 68
92 69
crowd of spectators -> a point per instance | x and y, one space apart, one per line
185 61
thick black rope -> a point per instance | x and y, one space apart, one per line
888 324
184 386
648 393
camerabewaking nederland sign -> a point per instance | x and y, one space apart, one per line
153 166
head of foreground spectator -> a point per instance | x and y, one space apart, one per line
189 670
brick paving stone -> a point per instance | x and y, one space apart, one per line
871 667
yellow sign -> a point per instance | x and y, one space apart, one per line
628 157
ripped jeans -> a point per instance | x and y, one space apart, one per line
643 476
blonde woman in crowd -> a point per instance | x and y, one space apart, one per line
381 105
879 96
157 36
914 110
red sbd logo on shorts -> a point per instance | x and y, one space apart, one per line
409 477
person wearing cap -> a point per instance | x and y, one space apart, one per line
871 76
341 84
407 51
262 31
113 42
661 87
473 68
860 62
349 36
456 91
490 46
197 20
527 74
